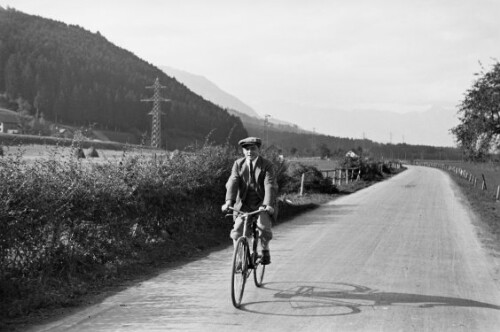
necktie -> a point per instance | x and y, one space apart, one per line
252 174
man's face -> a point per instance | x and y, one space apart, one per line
251 152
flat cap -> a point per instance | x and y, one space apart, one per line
250 141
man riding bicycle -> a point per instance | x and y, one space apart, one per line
251 186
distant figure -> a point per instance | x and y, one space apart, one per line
252 186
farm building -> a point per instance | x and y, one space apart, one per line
9 122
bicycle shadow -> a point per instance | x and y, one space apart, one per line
338 299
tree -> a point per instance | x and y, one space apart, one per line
479 130
324 151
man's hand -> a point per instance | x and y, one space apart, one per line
268 209
226 206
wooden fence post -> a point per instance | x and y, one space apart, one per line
302 184
484 187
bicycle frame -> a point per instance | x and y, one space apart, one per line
251 260
246 217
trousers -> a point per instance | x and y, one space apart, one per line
264 224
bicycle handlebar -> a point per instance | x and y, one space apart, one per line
247 213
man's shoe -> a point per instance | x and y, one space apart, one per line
266 257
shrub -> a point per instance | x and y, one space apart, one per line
314 180
370 170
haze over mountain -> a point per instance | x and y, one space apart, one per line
209 90
430 127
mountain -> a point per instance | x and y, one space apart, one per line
69 75
210 91
290 138
430 127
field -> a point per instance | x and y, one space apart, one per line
39 151
482 199
490 171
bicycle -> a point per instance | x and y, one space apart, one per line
245 261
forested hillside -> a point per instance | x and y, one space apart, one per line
65 74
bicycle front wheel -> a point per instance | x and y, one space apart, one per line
239 271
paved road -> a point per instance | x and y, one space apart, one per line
401 255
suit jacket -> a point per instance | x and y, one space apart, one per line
239 182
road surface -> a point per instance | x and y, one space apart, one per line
402 255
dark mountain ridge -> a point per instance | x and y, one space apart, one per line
69 75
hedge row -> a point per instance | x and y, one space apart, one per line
61 219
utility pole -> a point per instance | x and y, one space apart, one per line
156 113
313 141
266 125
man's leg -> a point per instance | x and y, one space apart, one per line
264 225
237 230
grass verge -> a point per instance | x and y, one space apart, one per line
485 206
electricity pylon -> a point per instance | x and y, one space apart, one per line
156 113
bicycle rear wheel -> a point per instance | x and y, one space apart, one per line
239 271
258 268
258 272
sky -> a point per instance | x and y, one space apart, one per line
303 60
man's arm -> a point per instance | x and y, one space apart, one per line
270 185
232 184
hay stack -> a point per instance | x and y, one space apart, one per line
92 153
79 153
